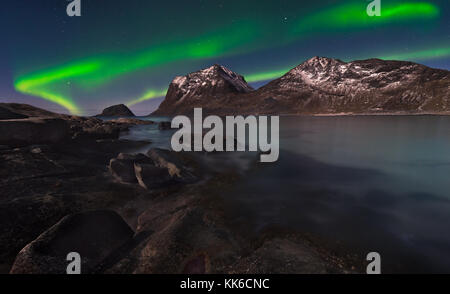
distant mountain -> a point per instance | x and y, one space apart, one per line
206 88
120 110
318 86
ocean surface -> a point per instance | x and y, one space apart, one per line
367 183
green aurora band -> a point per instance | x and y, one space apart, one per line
354 16
99 71
91 73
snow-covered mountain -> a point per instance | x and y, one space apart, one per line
319 85
202 88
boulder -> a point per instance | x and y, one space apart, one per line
151 177
117 110
186 239
122 167
95 235
31 131
122 170
24 217
174 163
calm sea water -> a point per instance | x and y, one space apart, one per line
370 183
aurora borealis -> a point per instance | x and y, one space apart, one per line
129 51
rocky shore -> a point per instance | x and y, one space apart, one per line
69 184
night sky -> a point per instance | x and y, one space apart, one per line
129 51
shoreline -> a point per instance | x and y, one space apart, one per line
315 114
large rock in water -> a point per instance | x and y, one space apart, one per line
31 131
117 110
95 235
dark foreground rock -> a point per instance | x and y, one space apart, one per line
5 113
123 167
190 233
186 238
282 256
150 176
22 132
117 110
40 184
159 168
94 235
178 165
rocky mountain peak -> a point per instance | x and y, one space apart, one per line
320 62
209 84
317 69
212 77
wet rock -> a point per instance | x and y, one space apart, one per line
95 235
175 164
100 131
132 121
22 219
23 132
165 125
150 176
117 110
122 167
122 170
185 239
96 129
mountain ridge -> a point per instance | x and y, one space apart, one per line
320 85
